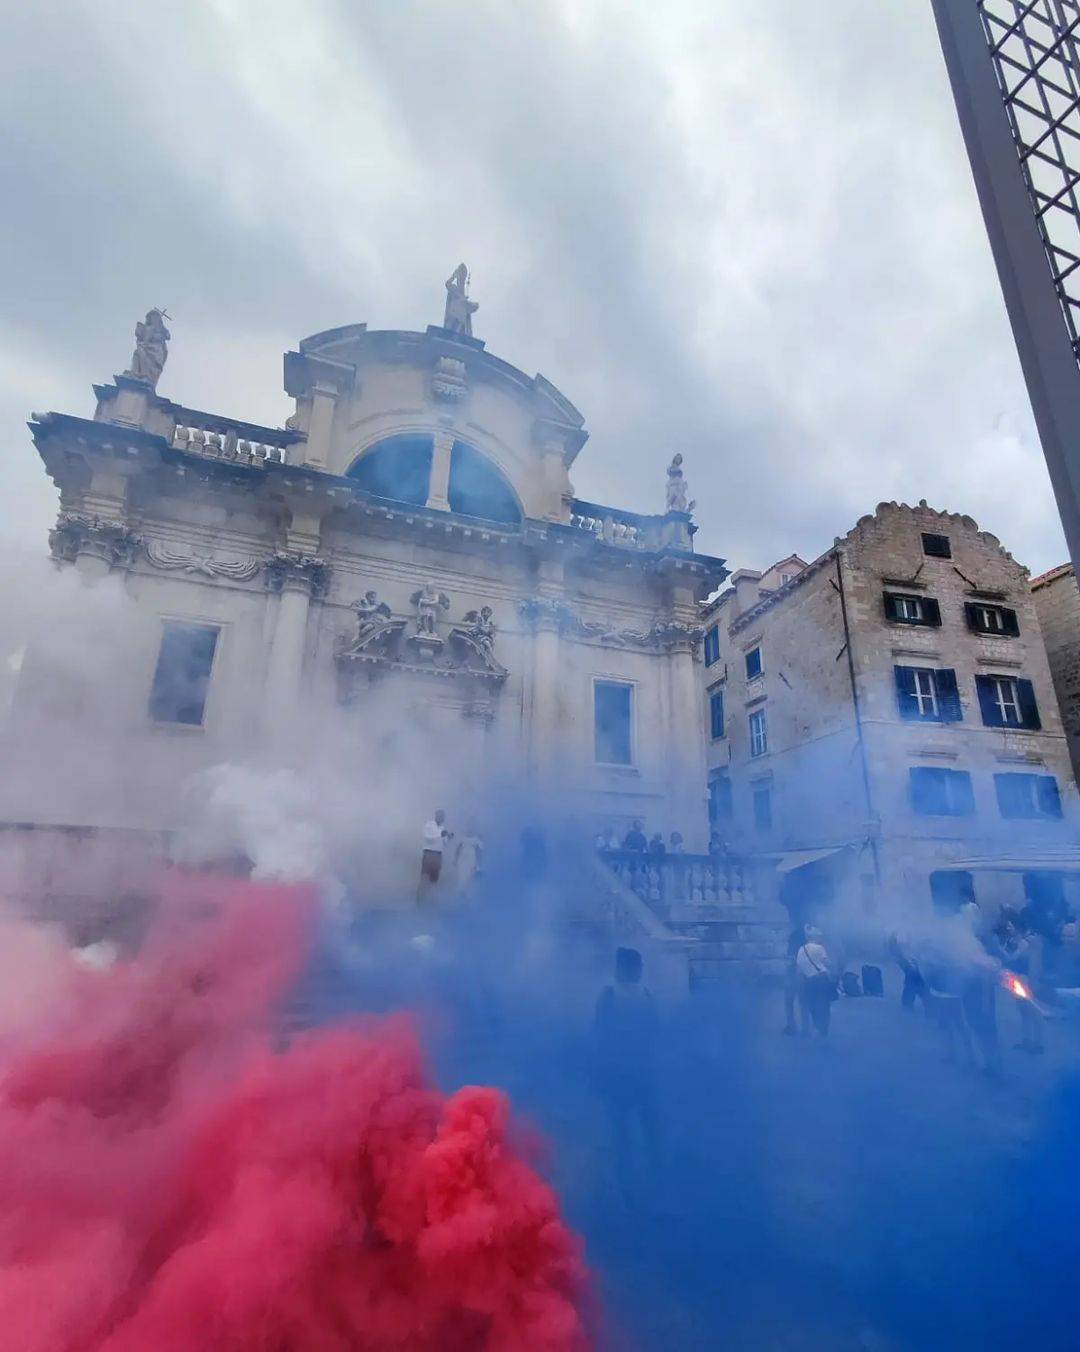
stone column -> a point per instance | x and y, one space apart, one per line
542 615
296 578
439 484
687 784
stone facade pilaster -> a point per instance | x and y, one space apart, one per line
296 578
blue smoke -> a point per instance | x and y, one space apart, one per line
855 1194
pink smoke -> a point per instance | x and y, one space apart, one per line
171 1181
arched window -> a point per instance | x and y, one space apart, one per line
398 468
478 489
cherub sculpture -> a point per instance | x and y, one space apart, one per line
428 602
480 627
371 614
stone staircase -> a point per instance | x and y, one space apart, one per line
700 918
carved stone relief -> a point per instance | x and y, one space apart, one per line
206 565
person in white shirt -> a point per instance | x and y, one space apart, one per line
435 837
817 983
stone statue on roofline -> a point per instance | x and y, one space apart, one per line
676 487
459 308
151 348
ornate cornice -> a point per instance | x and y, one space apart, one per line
665 635
76 534
287 571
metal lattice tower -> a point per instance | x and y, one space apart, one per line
1033 45
1014 66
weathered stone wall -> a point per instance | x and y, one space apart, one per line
1057 603
813 765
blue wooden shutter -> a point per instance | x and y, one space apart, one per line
931 611
905 692
948 695
1012 624
890 606
1029 710
971 614
963 793
1048 796
987 690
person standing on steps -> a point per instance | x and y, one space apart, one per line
436 837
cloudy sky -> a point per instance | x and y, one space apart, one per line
745 231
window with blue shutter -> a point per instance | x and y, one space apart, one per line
1007 702
986 618
754 664
915 610
763 809
716 714
721 803
936 792
1027 796
712 645
927 694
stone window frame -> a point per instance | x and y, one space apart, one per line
760 742
210 701
717 692
632 685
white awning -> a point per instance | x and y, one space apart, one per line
1040 861
793 859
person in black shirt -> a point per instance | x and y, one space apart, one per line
635 838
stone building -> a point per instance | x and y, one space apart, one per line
884 711
406 553
1057 603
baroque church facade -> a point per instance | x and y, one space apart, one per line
409 541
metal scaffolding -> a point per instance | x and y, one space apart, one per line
1014 66
1033 48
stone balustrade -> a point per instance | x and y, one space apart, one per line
614 526
225 443
675 880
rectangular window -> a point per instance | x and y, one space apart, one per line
759 733
712 644
763 809
941 793
716 714
1007 702
1027 795
754 665
936 546
983 618
721 805
182 674
921 610
928 694
612 721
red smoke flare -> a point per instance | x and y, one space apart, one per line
170 1182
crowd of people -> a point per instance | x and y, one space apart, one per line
954 972
636 841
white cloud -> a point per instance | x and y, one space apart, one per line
744 231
